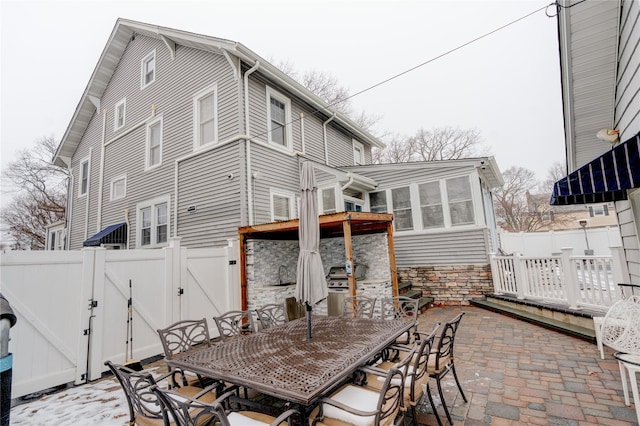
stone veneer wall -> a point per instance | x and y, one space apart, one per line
450 284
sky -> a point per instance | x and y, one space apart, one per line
506 85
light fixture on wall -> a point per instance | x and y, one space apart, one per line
609 135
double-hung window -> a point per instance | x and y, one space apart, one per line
279 119
431 205
358 153
378 202
153 219
118 187
148 69
154 143
460 201
83 186
205 106
402 212
282 206
328 200
119 116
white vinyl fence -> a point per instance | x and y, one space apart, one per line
72 306
575 281
543 244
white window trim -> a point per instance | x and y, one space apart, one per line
356 201
416 211
122 102
196 114
81 175
360 146
152 203
147 160
112 185
142 69
285 194
287 116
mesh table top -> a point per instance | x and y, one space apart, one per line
282 362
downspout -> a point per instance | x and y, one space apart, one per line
304 150
248 142
88 196
349 183
615 70
101 178
67 237
126 220
324 136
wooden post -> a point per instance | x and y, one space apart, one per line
243 273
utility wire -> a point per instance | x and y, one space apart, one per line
435 58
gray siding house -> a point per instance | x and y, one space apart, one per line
600 67
185 135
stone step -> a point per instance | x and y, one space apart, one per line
561 326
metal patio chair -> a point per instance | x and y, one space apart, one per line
415 359
442 361
352 404
404 308
234 324
358 306
144 406
184 336
185 411
272 314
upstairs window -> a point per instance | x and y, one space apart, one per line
601 210
119 116
118 188
83 187
358 153
279 119
282 206
153 219
402 208
148 70
206 117
154 143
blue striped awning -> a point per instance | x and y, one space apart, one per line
112 234
607 178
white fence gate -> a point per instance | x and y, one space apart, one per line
72 305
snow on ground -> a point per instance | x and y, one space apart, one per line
98 403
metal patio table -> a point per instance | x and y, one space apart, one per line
283 363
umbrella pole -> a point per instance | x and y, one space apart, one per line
308 306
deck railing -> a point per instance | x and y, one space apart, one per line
575 281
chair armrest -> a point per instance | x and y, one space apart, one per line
374 370
347 408
284 416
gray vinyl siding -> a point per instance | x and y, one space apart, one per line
177 81
78 215
395 176
215 195
276 171
447 248
628 122
340 148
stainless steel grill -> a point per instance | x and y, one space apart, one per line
338 278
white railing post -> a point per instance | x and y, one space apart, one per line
619 265
521 275
495 273
571 289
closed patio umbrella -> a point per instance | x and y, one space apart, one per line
311 287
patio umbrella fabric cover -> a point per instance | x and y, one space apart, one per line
311 286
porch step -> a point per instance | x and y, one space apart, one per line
412 294
403 288
554 324
425 302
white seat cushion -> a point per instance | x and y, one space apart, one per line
238 419
356 397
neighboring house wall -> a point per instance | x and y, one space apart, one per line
627 119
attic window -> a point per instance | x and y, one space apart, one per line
119 117
148 69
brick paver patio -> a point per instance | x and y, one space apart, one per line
516 373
